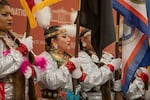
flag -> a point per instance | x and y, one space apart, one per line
148 13
133 11
136 51
97 16
32 6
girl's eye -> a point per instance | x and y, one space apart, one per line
64 36
6 14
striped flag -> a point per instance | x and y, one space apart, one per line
148 13
135 50
133 11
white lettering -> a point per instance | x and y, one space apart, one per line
18 12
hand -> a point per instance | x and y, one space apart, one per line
27 41
75 61
95 58
136 89
28 72
25 68
116 63
72 64
143 74
77 73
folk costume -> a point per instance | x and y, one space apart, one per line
98 71
56 80
12 54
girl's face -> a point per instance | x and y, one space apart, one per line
87 39
62 41
5 18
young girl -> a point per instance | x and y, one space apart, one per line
12 52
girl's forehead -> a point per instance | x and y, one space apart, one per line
5 9
65 33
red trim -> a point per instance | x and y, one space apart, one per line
2 91
70 65
111 67
82 78
23 49
144 77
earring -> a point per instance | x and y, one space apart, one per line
84 44
56 46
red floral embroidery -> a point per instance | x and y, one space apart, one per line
71 67
23 49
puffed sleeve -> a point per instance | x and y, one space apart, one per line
10 63
136 89
54 77
95 76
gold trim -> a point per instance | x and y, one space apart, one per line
138 1
55 33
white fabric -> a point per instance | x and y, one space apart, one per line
116 63
8 65
54 76
75 61
28 72
95 58
76 74
136 89
38 73
117 85
27 41
147 94
106 57
95 76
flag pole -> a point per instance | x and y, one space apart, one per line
77 43
118 94
31 91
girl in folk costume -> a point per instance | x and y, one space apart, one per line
94 75
12 52
56 80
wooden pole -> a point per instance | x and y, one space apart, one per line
106 91
31 92
118 94
77 45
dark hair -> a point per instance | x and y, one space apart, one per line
48 39
3 3
82 35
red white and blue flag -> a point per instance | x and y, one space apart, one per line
135 49
148 13
135 53
133 11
